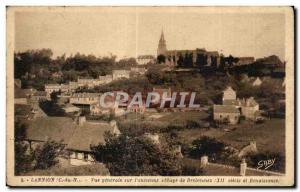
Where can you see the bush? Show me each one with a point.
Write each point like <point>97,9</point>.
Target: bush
<point>46,155</point>
<point>189,170</point>
<point>136,156</point>
<point>206,146</point>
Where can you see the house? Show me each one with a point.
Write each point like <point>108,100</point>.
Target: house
<point>138,70</point>
<point>112,107</point>
<point>50,88</point>
<point>39,96</point>
<point>120,74</point>
<point>84,98</point>
<point>249,108</point>
<point>95,109</point>
<point>105,79</point>
<point>69,108</point>
<point>229,96</point>
<point>248,150</point>
<point>21,96</point>
<point>64,88</point>
<point>256,82</point>
<point>145,59</point>
<point>86,135</point>
<point>78,135</point>
<point>73,85</point>
<point>86,82</point>
<point>226,113</point>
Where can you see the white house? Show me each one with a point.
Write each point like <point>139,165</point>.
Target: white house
<point>226,113</point>
<point>256,82</point>
<point>229,94</point>
<point>145,59</point>
<point>105,79</point>
<point>120,74</point>
<point>138,70</point>
<point>249,108</point>
<point>50,88</point>
<point>84,98</point>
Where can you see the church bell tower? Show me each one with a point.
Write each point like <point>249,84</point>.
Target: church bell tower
<point>162,47</point>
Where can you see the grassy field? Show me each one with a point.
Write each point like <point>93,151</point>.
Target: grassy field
<point>166,118</point>
<point>183,116</point>
<point>269,136</point>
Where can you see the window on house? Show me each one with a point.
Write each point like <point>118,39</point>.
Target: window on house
<point>76,155</point>
<point>85,156</point>
<point>220,116</point>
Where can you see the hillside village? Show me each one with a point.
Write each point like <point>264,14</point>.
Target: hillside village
<point>242,100</point>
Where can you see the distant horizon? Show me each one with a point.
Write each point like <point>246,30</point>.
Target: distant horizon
<point>129,32</point>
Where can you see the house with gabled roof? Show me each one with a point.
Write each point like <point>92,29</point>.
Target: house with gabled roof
<point>78,135</point>
<point>229,96</point>
<point>249,108</point>
<point>226,114</point>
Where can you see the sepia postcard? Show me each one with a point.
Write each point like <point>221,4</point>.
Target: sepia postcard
<point>150,96</point>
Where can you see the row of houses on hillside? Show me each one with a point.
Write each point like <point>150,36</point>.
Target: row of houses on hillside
<point>90,103</point>
<point>232,108</point>
<point>71,86</point>
<point>27,96</point>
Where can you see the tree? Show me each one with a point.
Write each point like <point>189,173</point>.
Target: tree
<point>20,131</point>
<point>161,59</point>
<point>137,155</point>
<point>46,155</point>
<point>206,146</point>
<point>23,158</point>
<point>154,75</point>
<point>180,61</point>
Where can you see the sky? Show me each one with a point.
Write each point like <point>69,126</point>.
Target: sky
<point>130,31</point>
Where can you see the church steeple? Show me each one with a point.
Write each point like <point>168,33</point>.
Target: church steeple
<point>162,47</point>
<point>162,37</point>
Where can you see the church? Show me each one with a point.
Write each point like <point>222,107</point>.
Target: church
<point>186,57</point>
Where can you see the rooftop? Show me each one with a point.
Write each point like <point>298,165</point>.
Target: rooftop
<point>88,134</point>
<point>229,89</point>
<point>65,130</point>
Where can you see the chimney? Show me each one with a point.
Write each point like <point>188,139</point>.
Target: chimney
<point>204,161</point>
<point>243,167</point>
